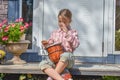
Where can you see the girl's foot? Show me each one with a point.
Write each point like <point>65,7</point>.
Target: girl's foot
<point>67,76</point>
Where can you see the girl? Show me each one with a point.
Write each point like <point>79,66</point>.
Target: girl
<point>69,41</point>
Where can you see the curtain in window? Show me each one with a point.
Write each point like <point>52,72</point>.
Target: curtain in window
<point>13,10</point>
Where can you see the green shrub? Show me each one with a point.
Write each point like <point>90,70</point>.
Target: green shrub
<point>111,78</point>
<point>117,40</point>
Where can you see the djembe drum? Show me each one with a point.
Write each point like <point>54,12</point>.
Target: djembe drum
<point>54,51</point>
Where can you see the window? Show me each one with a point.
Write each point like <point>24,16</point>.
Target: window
<point>27,14</point>
<point>117,26</point>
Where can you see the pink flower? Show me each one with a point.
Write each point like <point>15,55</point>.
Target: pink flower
<point>5,38</point>
<point>26,25</point>
<point>21,19</point>
<point>22,28</point>
<point>1,24</point>
<point>4,21</point>
<point>8,26</point>
<point>17,20</point>
<point>6,29</point>
<point>13,25</point>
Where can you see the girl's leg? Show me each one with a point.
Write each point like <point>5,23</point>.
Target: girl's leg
<point>48,67</point>
<point>61,66</point>
<point>64,62</point>
<point>52,73</point>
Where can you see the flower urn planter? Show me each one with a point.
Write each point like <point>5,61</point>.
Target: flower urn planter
<point>17,48</point>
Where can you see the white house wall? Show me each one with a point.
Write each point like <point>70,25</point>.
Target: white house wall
<point>90,18</point>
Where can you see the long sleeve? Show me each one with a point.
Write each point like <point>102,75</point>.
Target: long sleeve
<point>71,41</point>
<point>74,40</point>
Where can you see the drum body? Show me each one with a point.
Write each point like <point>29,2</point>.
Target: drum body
<point>54,52</point>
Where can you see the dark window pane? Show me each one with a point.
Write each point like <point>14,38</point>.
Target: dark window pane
<point>27,14</point>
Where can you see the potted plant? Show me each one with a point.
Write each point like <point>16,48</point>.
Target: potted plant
<point>10,36</point>
<point>12,32</point>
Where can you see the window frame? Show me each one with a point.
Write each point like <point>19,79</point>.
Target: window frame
<point>114,22</point>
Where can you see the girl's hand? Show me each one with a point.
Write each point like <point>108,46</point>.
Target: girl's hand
<point>64,27</point>
<point>44,43</point>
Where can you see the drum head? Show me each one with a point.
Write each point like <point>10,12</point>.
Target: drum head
<point>52,45</point>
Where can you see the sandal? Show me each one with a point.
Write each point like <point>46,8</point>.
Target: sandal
<point>67,76</point>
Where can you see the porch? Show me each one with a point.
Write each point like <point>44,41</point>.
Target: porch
<point>88,69</point>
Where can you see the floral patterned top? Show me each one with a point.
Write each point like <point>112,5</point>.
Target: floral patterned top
<point>68,40</point>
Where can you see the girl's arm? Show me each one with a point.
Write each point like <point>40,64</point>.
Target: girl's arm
<point>48,42</point>
<point>73,39</point>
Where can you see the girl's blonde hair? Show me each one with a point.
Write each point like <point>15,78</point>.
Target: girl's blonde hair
<point>65,13</point>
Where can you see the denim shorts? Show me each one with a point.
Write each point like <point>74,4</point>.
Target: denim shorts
<point>66,57</point>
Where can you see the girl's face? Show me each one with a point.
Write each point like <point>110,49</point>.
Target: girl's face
<point>63,22</point>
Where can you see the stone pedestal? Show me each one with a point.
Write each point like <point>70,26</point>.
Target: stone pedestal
<point>17,48</point>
